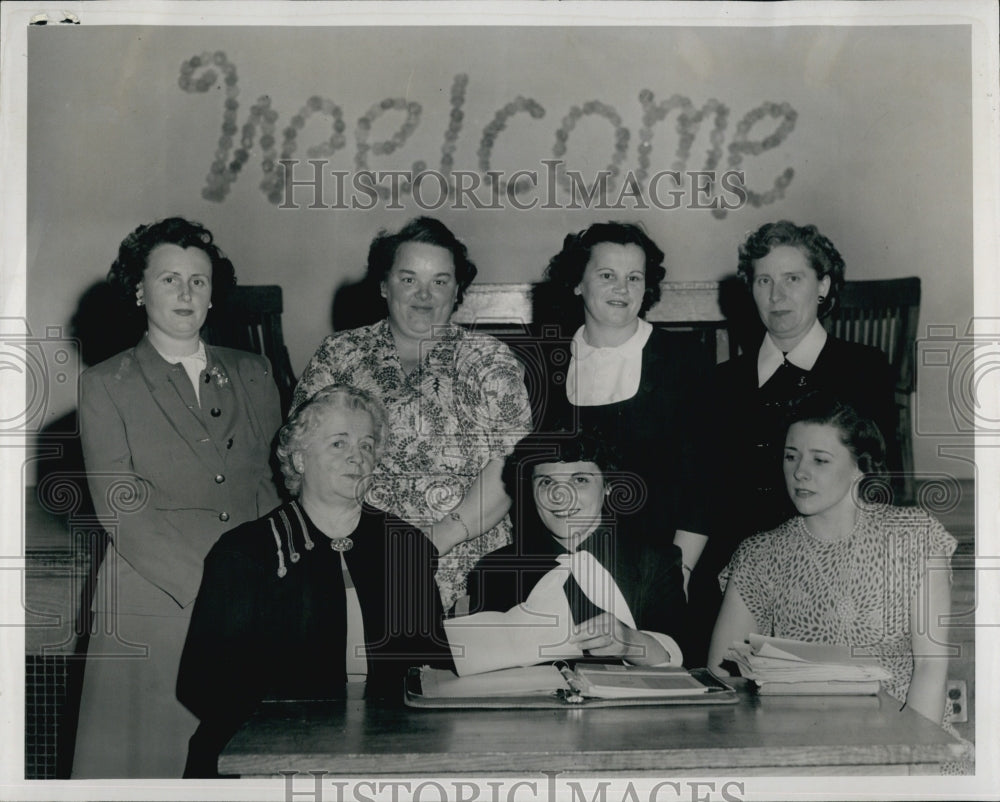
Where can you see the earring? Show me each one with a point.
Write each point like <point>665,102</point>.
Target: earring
<point>138,298</point>
<point>209,304</point>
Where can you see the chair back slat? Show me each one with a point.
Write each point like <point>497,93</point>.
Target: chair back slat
<point>882,314</point>
<point>250,320</point>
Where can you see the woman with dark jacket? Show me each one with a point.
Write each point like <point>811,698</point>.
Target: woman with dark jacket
<point>322,591</point>
<point>795,275</point>
<point>624,593</point>
<point>609,371</point>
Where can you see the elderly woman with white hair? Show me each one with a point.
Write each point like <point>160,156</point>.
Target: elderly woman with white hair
<point>322,591</point>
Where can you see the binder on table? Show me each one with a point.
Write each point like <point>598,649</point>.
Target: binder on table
<point>562,685</point>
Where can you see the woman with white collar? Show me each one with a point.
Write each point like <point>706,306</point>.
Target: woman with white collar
<point>621,595</point>
<point>795,275</point>
<point>628,381</point>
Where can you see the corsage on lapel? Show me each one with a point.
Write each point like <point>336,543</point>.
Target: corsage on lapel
<point>221,379</point>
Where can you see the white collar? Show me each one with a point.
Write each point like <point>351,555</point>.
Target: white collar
<point>198,357</point>
<point>803,355</point>
<point>581,349</point>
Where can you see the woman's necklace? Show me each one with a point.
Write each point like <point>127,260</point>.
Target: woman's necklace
<point>844,609</point>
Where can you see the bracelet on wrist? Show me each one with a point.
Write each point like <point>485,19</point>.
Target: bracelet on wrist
<point>454,516</point>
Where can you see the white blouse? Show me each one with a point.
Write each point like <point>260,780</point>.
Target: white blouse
<point>599,376</point>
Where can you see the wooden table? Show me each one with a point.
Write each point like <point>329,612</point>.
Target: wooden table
<point>778,736</point>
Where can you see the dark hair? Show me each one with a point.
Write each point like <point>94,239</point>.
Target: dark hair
<point>382,251</point>
<point>542,449</point>
<point>534,450</point>
<point>820,252</point>
<point>859,434</point>
<point>133,257</point>
<point>565,270</point>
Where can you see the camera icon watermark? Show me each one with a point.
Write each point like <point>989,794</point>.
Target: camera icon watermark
<point>44,363</point>
<point>965,369</point>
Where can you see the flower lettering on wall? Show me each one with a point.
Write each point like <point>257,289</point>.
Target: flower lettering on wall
<point>202,73</point>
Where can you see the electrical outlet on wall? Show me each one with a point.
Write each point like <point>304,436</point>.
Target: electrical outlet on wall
<point>958,700</point>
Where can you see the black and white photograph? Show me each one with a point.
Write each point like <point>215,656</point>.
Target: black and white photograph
<point>499,401</point>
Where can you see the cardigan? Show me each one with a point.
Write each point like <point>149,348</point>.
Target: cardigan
<point>272,604</point>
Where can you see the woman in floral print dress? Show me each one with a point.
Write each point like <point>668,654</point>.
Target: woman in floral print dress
<point>456,400</point>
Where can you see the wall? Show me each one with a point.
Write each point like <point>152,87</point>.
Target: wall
<point>881,150</point>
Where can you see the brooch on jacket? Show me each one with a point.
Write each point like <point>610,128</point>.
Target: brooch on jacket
<point>221,379</point>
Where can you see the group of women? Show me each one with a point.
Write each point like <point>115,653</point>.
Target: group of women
<point>419,479</point>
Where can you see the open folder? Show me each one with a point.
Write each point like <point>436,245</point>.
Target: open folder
<point>559,684</point>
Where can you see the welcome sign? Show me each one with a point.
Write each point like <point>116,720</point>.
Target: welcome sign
<point>617,186</point>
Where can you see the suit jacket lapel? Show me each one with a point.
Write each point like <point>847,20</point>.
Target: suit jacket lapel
<point>172,391</point>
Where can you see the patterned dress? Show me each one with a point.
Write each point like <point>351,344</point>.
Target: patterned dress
<point>856,591</point>
<point>465,405</point>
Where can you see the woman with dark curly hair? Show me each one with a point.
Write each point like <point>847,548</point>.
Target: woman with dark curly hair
<point>795,275</point>
<point>176,442</point>
<point>618,375</point>
<point>456,399</point>
<point>603,591</point>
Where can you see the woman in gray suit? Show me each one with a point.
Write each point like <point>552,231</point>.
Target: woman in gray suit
<point>176,440</point>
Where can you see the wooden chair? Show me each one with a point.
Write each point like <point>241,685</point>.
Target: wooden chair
<point>884,314</point>
<point>250,319</point>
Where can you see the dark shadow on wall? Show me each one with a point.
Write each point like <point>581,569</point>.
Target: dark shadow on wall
<point>102,327</point>
<point>357,304</point>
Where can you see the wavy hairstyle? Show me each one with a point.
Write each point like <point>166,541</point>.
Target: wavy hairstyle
<point>133,257</point>
<point>565,270</point>
<point>859,434</point>
<point>541,449</point>
<point>820,252</point>
<point>296,435</point>
<point>382,251</point>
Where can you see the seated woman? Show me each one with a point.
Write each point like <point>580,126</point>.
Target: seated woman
<point>870,576</point>
<point>625,594</point>
<point>273,618</point>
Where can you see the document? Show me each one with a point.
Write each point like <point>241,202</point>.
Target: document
<point>783,666</point>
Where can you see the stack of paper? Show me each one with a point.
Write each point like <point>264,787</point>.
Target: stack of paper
<point>782,666</point>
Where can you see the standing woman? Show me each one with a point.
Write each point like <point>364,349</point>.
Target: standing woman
<point>627,382</point>
<point>795,275</point>
<point>176,441</point>
<point>456,400</point>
